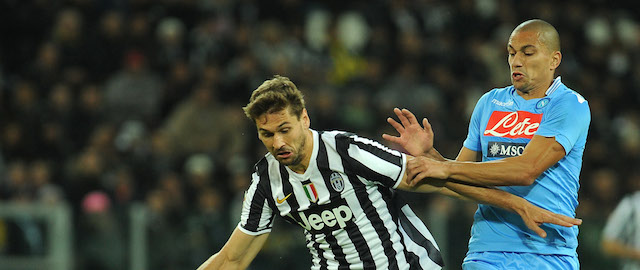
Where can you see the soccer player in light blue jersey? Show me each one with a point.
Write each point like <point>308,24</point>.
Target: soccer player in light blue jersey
<point>530,138</point>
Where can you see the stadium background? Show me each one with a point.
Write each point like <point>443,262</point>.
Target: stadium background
<point>106,106</point>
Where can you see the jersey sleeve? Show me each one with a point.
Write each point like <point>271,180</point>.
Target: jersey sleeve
<point>472,142</point>
<point>620,224</point>
<point>567,120</point>
<point>371,160</point>
<point>256,217</point>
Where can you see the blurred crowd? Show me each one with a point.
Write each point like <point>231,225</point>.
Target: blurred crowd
<point>104,103</point>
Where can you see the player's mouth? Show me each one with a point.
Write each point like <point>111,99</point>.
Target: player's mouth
<point>284,154</point>
<point>516,76</point>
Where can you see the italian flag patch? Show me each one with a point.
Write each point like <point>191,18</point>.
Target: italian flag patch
<point>311,192</point>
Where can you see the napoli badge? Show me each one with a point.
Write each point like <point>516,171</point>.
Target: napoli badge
<point>337,182</point>
<point>542,103</point>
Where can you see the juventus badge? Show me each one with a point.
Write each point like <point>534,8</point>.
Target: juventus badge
<point>336,182</point>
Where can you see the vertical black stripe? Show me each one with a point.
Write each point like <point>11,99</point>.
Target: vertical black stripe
<point>262,194</point>
<point>336,249</point>
<point>397,202</point>
<point>323,167</point>
<point>316,246</point>
<point>418,238</point>
<point>287,189</point>
<point>367,206</point>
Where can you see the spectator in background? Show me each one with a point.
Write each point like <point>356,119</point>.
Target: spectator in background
<point>189,128</point>
<point>134,93</point>
<point>621,234</point>
<point>101,242</point>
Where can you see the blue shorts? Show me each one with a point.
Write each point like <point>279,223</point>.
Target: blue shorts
<point>495,260</point>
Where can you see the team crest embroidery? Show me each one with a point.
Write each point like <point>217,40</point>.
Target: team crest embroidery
<point>337,182</point>
<point>542,103</point>
<point>310,191</point>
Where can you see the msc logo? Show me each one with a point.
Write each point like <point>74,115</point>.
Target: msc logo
<point>325,218</point>
<point>505,149</point>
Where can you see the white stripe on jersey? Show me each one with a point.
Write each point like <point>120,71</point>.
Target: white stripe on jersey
<point>413,246</point>
<point>556,82</point>
<point>372,162</point>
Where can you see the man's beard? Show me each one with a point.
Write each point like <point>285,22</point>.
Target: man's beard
<point>297,156</point>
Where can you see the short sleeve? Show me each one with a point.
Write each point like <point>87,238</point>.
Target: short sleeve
<point>371,160</point>
<point>472,142</point>
<point>567,119</point>
<point>256,217</point>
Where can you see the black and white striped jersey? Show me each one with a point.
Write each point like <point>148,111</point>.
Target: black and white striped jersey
<point>623,226</point>
<point>346,203</point>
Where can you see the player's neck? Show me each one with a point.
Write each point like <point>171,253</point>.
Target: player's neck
<point>537,92</point>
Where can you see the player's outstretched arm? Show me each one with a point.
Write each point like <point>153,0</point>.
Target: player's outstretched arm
<point>539,154</point>
<point>237,253</point>
<point>532,215</point>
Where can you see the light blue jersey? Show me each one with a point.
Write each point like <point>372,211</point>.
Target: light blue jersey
<point>501,126</point>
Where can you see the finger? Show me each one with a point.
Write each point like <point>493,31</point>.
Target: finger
<point>426,125</point>
<point>566,221</point>
<point>395,125</point>
<point>535,228</point>
<point>392,139</point>
<point>403,119</point>
<point>410,116</point>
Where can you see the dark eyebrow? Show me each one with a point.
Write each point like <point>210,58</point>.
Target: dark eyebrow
<point>523,47</point>
<point>280,126</point>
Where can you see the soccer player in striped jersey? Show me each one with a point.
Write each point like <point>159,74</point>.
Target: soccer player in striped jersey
<point>339,188</point>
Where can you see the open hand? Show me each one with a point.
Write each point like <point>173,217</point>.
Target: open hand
<point>415,139</point>
<point>534,216</point>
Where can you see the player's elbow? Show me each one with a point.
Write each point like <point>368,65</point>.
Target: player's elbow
<point>526,177</point>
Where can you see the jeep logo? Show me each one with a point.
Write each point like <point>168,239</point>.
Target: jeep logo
<point>324,219</point>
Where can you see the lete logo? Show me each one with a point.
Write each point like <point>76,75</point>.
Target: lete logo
<point>518,124</point>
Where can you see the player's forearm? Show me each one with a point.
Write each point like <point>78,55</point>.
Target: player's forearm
<point>620,251</point>
<point>220,261</point>
<point>504,172</point>
<point>486,195</point>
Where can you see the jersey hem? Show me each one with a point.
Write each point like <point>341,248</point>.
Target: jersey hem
<point>253,233</point>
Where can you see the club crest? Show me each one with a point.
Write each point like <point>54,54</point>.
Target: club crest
<point>337,183</point>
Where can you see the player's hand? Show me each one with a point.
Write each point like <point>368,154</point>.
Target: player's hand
<point>534,216</point>
<point>415,139</point>
<point>421,168</point>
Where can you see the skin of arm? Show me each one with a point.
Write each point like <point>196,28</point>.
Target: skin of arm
<point>237,253</point>
<point>540,154</point>
<point>532,216</point>
<point>620,250</point>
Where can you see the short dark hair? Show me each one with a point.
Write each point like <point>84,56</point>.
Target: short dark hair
<point>275,95</point>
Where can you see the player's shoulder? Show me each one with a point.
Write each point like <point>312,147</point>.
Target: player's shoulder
<point>569,98</point>
<point>262,166</point>
<point>501,94</point>
<point>336,135</point>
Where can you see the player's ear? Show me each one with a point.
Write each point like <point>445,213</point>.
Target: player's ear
<point>556,58</point>
<point>304,117</point>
